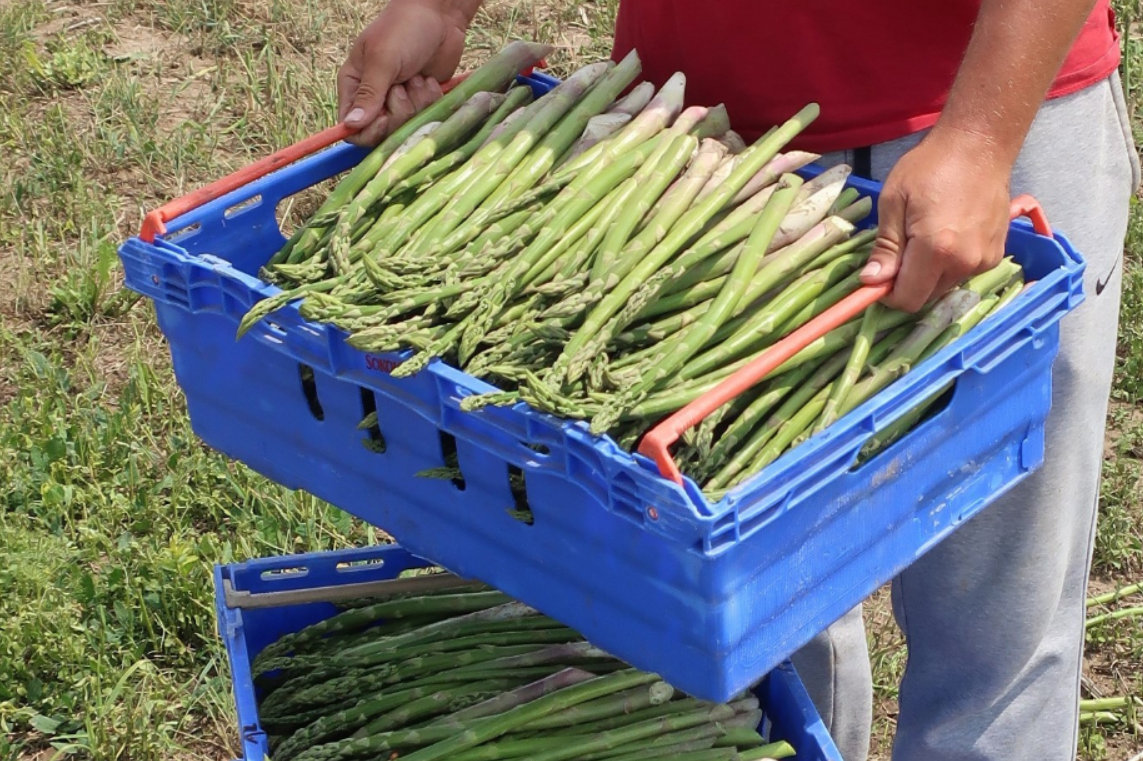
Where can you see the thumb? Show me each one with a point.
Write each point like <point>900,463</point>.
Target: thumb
<point>368,97</point>
<point>885,259</point>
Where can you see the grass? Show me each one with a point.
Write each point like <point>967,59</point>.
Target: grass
<point>1115,650</point>
<point>111,512</point>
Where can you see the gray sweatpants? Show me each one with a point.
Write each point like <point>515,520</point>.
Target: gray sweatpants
<point>993,616</point>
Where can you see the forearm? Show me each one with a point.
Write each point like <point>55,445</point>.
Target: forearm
<point>1016,51</point>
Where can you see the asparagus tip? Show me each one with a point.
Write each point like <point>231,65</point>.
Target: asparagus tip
<point>528,52</point>
<point>671,95</point>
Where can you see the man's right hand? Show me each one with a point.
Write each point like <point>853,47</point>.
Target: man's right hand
<point>396,65</point>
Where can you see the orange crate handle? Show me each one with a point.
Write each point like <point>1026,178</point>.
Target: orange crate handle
<point>1027,206</point>
<point>154,223</point>
<point>656,442</point>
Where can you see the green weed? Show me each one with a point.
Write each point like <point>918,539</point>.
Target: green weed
<point>65,64</point>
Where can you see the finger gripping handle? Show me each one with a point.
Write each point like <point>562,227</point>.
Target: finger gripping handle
<point>656,442</point>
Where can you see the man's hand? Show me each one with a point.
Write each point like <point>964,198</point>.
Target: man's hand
<point>943,217</point>
<point>396,65</point>
<point>943,212</point>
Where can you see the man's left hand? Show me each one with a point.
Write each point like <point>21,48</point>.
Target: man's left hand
<point>943,217</point>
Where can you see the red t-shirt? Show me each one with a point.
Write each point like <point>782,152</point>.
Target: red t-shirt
<point>879,70</point>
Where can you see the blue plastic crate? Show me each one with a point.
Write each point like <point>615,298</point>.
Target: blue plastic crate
<point>790,715</point>
<point>709,595</point>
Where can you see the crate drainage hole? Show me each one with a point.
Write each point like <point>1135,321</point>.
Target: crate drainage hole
<point>451,460</point>
<point>926,410</point>
<point>374,441</point>
<point>359,565</point>
<point>183,233</point>
<point>521,511</point>
<point>242,206</point>
<point>282,573</point>
<point>309,388</point>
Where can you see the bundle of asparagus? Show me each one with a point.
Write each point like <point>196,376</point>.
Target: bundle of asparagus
<point>609,258</point>
<point>471,675</point>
